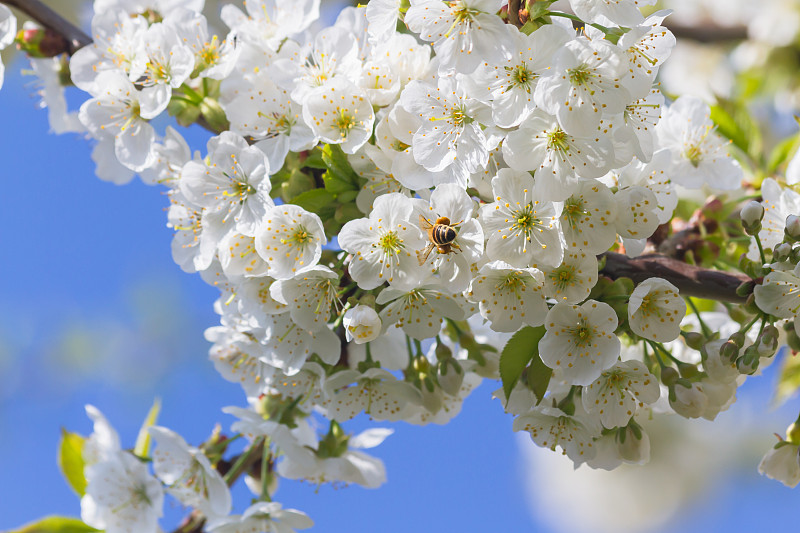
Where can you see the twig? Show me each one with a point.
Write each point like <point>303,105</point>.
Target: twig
<point>74,37</point>
<point>691,280</point>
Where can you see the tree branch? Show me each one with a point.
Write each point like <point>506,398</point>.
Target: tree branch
<point>691,280</point>
<point>74,37</point>
<point>707,33</point>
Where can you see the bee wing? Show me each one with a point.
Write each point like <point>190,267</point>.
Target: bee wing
<point>424,223</point>
<point>422,255</point>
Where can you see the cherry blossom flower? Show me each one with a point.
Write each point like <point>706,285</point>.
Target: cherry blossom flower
<point>509,297</point>
<point>463,32</point>
<point>522,230</point>
<point>655,310</point>
<point>383,245</point>
<point>580,340</point>
<point>232,182</point>
<point>188,474</point>
<point>290,240</point>
<point>619,391</point>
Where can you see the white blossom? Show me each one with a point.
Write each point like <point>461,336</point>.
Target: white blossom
<point>580,340</point>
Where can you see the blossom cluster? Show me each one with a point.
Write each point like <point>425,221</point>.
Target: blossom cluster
<point>392,199</point>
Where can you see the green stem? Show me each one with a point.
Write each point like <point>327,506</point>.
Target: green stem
<point>760,249</point>
<point>750,324</point>
<point>578,19</point>
<point>244,461</point>
<point>703,326</point>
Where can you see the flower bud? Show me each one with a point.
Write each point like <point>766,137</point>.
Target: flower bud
<point>40,42</point>
<point>669,376</point>
<point>767,343</point>
<point>782,252</point>
<point>737,338</point>
<point>752,214</point>
<point>688,371</point>
<point>361,324</point>
<point>689,402</point>
<point>694,340</point>
<point>792,230</point>
<point>729,350</point>
<point>745,288</point>
<point>748,363</point>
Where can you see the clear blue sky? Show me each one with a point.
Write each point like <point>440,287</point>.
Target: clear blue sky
<point>93,310</point>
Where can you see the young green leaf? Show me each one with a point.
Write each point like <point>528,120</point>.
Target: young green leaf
<point>55,524</point>
<point>517,353</point>
<point>317,201</point>
<point>142,448</point>
<point>338,166</point>
<point>70,460</point>
<point>789,380</point>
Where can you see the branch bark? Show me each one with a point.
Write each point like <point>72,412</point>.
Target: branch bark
<point>691,280</point>
<point>75,37</point>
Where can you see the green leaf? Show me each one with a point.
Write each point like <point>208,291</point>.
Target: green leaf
<point>789,380</point>
<point>142,448</point>
<point>55,524</point>
<point>517,353</point>
<point>734,122</point>
<point>338,166</point>
<point>314,160</point>
<point>335,184</point>
<point>70,460</point>
<point>539,376</point>
<point>782,152</point>
<point>317,201</point>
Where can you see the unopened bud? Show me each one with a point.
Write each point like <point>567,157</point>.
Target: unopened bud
<point>729,351</point>
<point>737,338</point>
<point>782,252</point>
<point>669,376</point>
<point>751,215</point>
<point>443,352</point>
<point>746,366</point>
<point>750,305</point>
<point>40,42</point>
<point>688,371</point>
<point>745,288</point>
<point>694,340</point>
<point>792,230</point>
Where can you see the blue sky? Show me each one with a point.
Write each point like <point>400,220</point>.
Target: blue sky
<point>93,310</point>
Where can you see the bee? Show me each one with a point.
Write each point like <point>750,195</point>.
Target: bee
<point>442,236</point>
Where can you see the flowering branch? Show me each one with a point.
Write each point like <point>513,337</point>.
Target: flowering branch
<point>691,280</point>
<point>74,37</point>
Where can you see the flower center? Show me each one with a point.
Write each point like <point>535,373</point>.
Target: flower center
<point>344,122</point>
<point>557,140</point>
<point>520,76</point>
<point>299,236</point>
<point>513,282</point>
<point>391,243</point>
<point>525,221</point>
<point>694,153</point>
<point>583,334</point>
<point>579,75</point>
<point>459,116</point>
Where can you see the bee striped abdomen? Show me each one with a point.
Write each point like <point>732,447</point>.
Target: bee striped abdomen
<point>442,234</point>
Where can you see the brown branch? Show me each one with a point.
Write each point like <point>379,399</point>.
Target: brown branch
<point>707,33</point>
<point>74,37</point>
<point>691,280</point>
